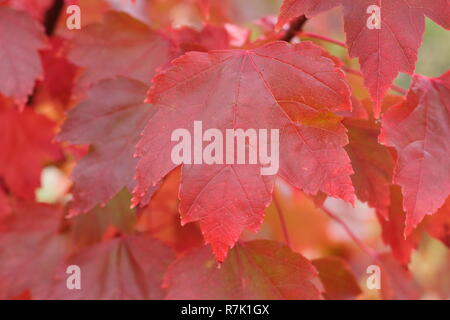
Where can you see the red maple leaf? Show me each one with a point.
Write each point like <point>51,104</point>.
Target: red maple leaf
<point>247,274</point>
<point>383,52</point>
<point>438,225</point>
<point>337,278</point>
<point>134,267</point>
<point>26,145</point>
<point>35,8</point>
<point>59,73</point>
<point>236,89</point>
<point>393,227</point>
<point>20,39</point>
<point>119,46</point>
<point>30,248</point>
<point>419,129</point>
<point>112,127</point>
<point>373,164</point>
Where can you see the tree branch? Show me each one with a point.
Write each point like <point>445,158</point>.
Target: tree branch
<point>52,16</point>
<point>294,28</point>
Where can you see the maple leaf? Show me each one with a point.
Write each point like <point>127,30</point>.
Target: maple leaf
<point>397,282</point>
<point>438,225</point>
<point>164,12</point>
<point>119,46</point>
<point>373,164</point>
<point>4,205</point>
<point>30,248</point>
<point>209,38</point>
<point>116,215</point>
<point>393,227</point>
<point>20,39</point>
<point>383,52</point>
<point>25,144</point>
<point>234,89</point>
<point>338,280</point>
<point>35,8</point>
<point>259,269</point>
<point>419,129</point>
<point>161,217</point>
<point>59,73</point>
<point>110,120</point>
<point>129,267</point>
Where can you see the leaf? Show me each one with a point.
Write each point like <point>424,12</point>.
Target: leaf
<point>4,205</point>
<point>256,270</point>
<point>419,129</point>
<point>119,46</point>
<point>30,248</point>
<point>111,120</point>
<point>59,73</point>
<point>338,280</point>
<point>397,283</point>
<point>438,225</point>
<point>126,268</point>
<point>164,12</point>
<point>295,8</point>
<point>91,227</point>
<point>384,52</point>
<point>20,39</point>
<point>209,38</point>
<point>393,227</point>
<point>35,8</point>
<point>373,164</point>
<point>161,217</point>
<point>234,89</point>
<point>26,145</point>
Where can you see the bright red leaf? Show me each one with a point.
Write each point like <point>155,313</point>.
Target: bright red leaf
<point>132,268</point>
<point>438,225</point>
<point>337,278</point>
<point>59,73</point>
<point>373,164</point>
<point>119,46</point>
<point>383,52</point>
<point>419,129</point>
<point>20,39</point>
<point>393,227</point>
<point>30,248</point>
<point>254,270</point>
<point>110,120</point>
<point>26,145</point>
<point>234,89</point>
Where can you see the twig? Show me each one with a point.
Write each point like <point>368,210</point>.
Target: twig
<point>52,16</point>
<point>369,251</point>
<point>324,38</point>
<point>294,28</point>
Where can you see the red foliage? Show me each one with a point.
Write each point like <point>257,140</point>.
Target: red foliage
<point>97,108</point>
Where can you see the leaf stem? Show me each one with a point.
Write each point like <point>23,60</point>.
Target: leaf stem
<point>324,38</point>
<point>282,220</point>
<point>368,250</point>
<point>346,69</point>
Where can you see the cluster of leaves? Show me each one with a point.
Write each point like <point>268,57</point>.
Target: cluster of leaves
<point>102,102</point>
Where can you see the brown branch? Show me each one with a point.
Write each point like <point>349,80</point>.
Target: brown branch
<point>50,21</point>
<point>294,28</point>
<point>52,15</point>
